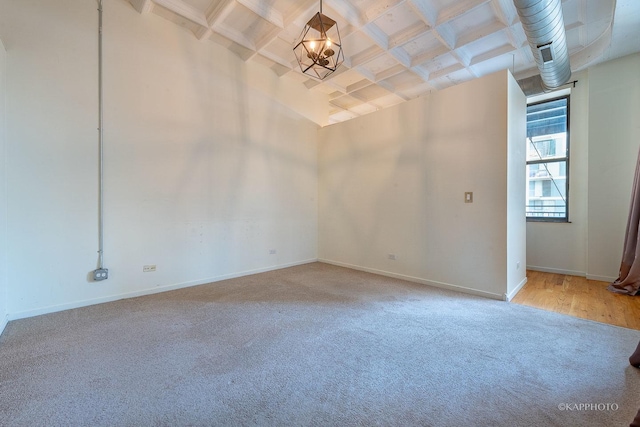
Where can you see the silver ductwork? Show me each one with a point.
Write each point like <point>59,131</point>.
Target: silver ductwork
<point>543,24</point>
<point>532,85</point>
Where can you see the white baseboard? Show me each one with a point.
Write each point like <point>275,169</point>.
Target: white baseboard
<point>433,283</point>
<point>509,296</point>
<point>556,271</point>
<point>602,278</point>
<point>150,291</point>
<point>572,273</point>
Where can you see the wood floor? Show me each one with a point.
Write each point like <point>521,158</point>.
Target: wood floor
<point>579,297</point>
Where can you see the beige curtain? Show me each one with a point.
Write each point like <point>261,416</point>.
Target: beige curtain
<point>628,282</point>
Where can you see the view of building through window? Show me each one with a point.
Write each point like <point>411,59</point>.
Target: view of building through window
<point>548,160</point>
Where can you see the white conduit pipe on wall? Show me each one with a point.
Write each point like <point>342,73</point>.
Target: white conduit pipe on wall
<point>100,273</point>
<point>543,24</point>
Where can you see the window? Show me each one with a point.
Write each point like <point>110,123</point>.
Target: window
<point>548,160</point>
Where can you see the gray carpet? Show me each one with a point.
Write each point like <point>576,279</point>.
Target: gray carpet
<point>315,345</point>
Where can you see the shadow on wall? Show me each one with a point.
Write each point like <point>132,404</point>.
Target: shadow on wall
<point>382,181</point>
<point>218,163</point>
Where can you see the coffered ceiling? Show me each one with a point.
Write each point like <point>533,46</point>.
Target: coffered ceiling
<point>395,50</point>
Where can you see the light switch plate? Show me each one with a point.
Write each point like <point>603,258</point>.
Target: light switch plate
<point>468,197</point>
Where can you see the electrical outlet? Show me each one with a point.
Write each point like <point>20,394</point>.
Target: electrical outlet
<point>272,251</point>
<point>148,268</point>
<point>392,257</point>
<point>100,274</point>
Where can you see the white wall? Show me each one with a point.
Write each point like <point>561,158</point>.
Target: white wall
<point>393,182</point>
<point>604,129</point>
<point>204,172</point>
<point>516,187</point>
<point>3,193</point>
<point>614,139</point>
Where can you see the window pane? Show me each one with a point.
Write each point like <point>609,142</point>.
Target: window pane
<point>547,195</point>
<point>547,118</point>
<point>547,147</point>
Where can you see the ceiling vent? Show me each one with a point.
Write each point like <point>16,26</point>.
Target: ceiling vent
<point>543,24</point>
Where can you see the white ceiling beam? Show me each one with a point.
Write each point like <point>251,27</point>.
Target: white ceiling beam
<point>513,39</point>
<point>429,16</point>
<point>310,83</point>
<point>350,113</point>
<point>479,33</point>
<point>358,85</point>
<point>359,97</point>
<point>401,56</point>
<point>185,10</point>
<point>338,88</point>
<point>334,95</point>
<point>351,14</point>
<point>442,33</point>
<point>528,54</point>
<point>377,35</point>
<point>380,8</point>
<point>219,11</point>
<point>445,35</point>
<point>505,11</point>
<point>388,86</point>
<point>277,59</point>
<point>409,34</point>
<point>345,89</point>
<point>421,72</point>
<point>494,53</point>
<point>474,74</point>
<point>425,13</point>
<point>234,36</point>
<point>203,33</point>
<point>357,22</point>
<point>408,85</point>
<point>366,56</point>
<point>313,82</point>
<point>281,70</point>
<point>366,73</point>
<point>458,9</point>
<point>392,89</point>
<point>462,57</point>
<point>428,56</point>
<point>263,10</point>
<point>216,12</point>
<point>267,38</point>
<point>390,72</point>
<point>447,70</point>
<point>142,6</point>
<point>215,17</point>
<point>301,11</point>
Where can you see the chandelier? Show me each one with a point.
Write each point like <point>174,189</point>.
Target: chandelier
<point>319,48</point>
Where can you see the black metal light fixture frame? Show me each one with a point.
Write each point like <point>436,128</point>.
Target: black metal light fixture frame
<point>319,48</point>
